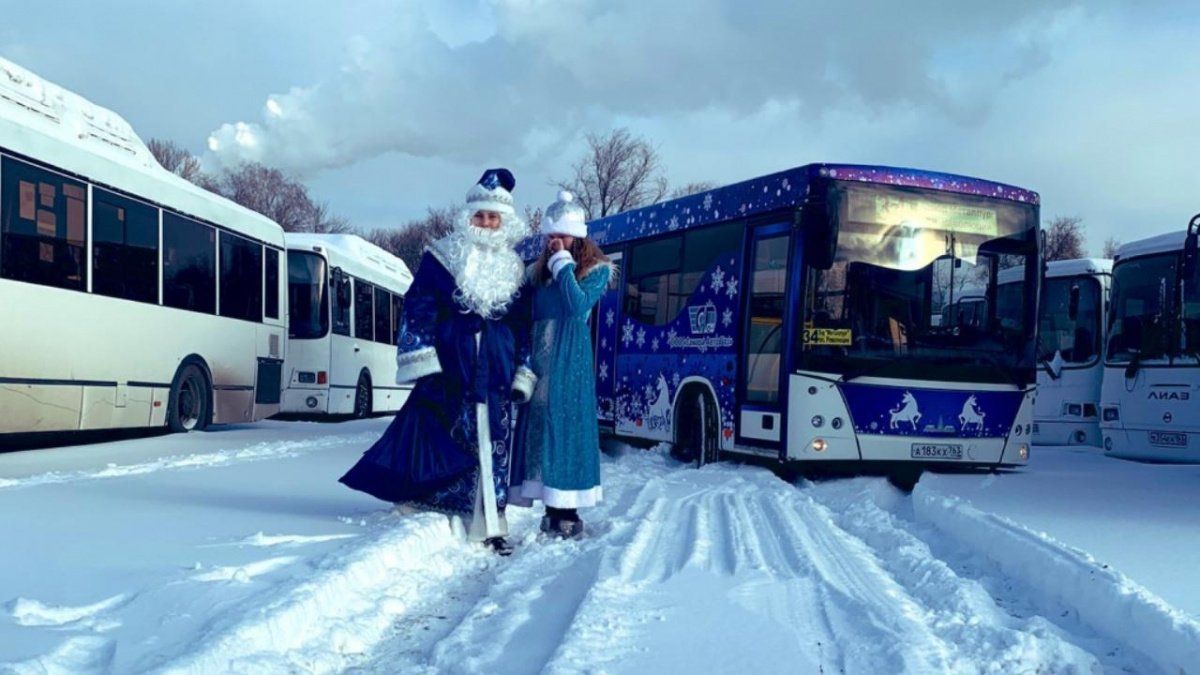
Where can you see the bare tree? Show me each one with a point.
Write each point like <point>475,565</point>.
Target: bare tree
<point>408,241</point>
<point>618,172</point>
<point>534,218</point>
<point>1110,248</point>
<point>281,198</point>
<point>1064,238</point>
<point>175,159</point>
<point>691,189</point>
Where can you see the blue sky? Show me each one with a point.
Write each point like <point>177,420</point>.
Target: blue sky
<point>385,108</point>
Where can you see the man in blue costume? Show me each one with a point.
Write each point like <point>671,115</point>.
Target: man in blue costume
<point>463,339</point>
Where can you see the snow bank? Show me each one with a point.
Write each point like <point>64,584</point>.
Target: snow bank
<point>1106,601</point>
<point>344,608</point>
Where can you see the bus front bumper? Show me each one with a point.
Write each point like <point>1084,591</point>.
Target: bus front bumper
<point>300,401</point>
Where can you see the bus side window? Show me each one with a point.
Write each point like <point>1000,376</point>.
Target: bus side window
<point>43,227</point>
<point>189,264</point>
<point>241,278</point>
<point>271,284</point>
<point>397,309</point>
<point>383,317</point>
<point>341,302</point>
<point>124,248</point>
<point>653,276</point>
<point>364,314</point>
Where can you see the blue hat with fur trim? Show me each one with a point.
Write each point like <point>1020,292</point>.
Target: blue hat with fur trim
<point>493,192</point>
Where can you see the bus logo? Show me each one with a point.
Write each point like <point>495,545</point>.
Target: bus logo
<point>1169,396</point>
<point>907,411</point>
<point>703,318</point>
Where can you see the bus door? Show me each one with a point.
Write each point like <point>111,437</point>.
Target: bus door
<point>761,399</point>
<point>605,322</point>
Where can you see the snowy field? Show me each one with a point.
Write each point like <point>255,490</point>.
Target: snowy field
<point>237,551</point>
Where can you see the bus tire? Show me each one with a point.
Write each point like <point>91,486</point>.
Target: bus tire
<point>697,439</point>
<point>189,406</point>
<point>362,396</point>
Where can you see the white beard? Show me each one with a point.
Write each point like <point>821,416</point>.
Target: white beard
<point>486,270</point>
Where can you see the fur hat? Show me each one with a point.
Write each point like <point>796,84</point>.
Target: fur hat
<point>565,216</point>
<point>493,192</point>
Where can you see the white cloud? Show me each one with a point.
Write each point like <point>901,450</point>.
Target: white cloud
<point>552,64</point>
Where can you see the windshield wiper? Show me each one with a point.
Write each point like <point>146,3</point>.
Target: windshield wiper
<point>863,372</point>
<point>1135,364</point>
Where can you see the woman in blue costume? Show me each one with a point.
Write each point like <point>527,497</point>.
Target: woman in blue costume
<point>461,340</point>
<point>558,458</point>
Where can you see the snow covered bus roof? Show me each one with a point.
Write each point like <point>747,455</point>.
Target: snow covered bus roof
<point>1078,267</point>
<point>48,124</point>
<point>1060,268</point>
<point>778,191</point>
<point>357,257</point>
<point>1163,243</point>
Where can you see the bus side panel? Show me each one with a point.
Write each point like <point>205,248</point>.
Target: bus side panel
<point>608,321</point>
<point>654,363</point>
<point>34,407</point>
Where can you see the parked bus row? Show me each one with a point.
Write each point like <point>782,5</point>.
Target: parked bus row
<point>133,298</point>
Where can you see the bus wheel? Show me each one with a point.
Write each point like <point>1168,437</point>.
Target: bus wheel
<point>190,400</point>
<point>362,397</point>
<point>697,439</point>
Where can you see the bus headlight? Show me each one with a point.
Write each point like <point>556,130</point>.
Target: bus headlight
<point>836,423</point>
<point>818,421</point>
<point>1023,452</point>
<point>1112,414</point>
<point>818,445</point>
<point>311,401</point>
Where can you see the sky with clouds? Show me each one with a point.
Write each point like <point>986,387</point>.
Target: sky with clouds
<point>385,108</point>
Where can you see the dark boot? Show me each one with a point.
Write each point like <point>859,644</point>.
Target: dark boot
<point>499,546</point>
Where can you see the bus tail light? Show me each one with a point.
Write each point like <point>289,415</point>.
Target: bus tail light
<point>322,377</point>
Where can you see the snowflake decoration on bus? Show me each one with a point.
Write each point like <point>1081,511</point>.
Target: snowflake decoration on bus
<point>718,277</point>
<point>654,344</point>
<point>727,318</point>
<point>604,371</point>
<point>731,288</point>
<point>627,332</point>
<point>641,337</point>
<point>609,317</point>
<point>708,201</point>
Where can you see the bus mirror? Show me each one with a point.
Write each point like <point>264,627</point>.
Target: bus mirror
<point>1189,247</point>
<point>1073,303</point>
<point>819,229</point>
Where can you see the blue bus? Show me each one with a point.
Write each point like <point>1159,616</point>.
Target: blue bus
<point>801,316</point>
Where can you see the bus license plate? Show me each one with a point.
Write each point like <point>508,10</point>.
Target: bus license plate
<point>1171,439</point>
<point>936,451</point>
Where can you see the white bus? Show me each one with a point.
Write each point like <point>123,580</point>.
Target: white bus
<point>1070,341</point>
<point>131,297</point>
<point>344,299</point>
<point>1150,401</point>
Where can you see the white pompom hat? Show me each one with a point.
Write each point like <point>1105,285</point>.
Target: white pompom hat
<point>565,216</point>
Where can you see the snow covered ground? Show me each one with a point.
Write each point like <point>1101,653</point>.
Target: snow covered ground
<point>237,551</point>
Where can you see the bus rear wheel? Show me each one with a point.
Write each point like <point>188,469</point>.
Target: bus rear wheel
<point>697,439</point>
<point>362,397</point>
<point>189,408</point>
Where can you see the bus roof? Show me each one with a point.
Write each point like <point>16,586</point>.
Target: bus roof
<point>357,257</point>
<point>49,124</point>
<point>785,189</point>
<point>1078,267</point>
<point>1163,243</point>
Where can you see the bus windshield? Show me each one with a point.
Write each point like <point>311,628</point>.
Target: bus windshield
<point>913,293</point>
<point>308,296</point>
<point>1076,338</point>
<point>1147,322</point>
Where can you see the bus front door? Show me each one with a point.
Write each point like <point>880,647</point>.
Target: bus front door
<point>605,321</point>
<point>760,403</point>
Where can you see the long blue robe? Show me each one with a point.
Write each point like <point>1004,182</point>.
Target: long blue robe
<point>430,454</point>
<point>557,459</point>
